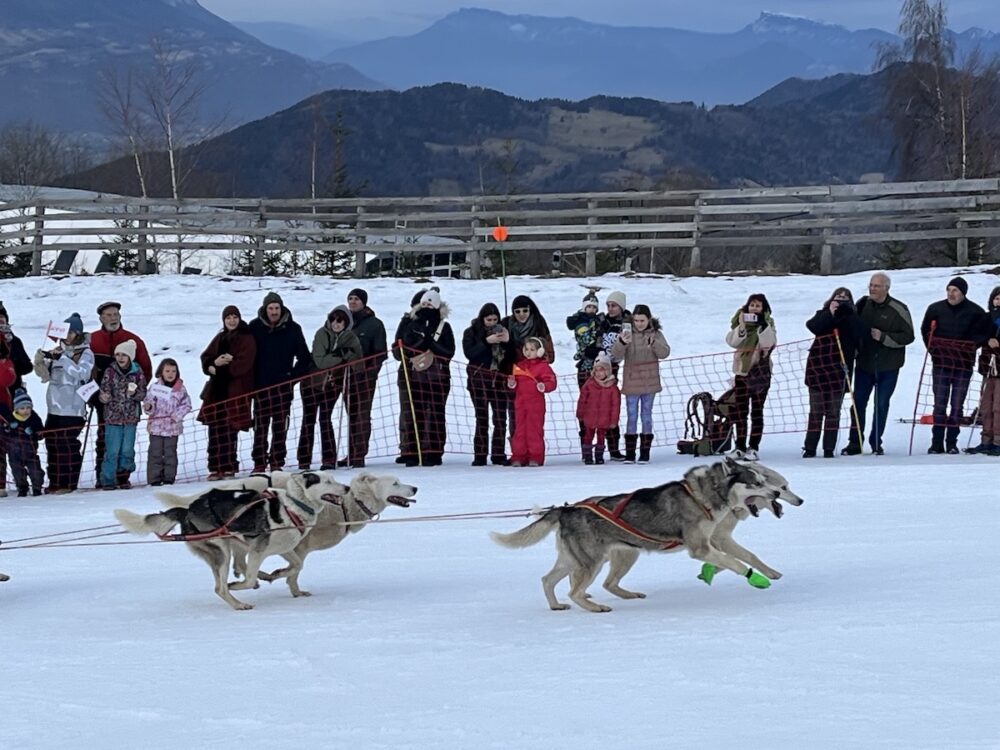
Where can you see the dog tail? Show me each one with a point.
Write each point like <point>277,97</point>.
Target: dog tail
<point>531,534</point>
<point>154,523</point>
<point>174,501</point>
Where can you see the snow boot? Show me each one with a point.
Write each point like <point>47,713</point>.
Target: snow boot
<point>630,441</point>
<point>645,443</point>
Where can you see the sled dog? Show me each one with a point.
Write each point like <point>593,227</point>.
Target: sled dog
<point>268,523</point>
<point>698,513</point>
<point>367,497</point>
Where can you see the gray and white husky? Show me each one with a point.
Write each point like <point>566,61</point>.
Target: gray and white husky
<point>267,523</point>
<point>698,514</point>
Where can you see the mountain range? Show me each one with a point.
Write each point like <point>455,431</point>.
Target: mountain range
<point>534,57</point>
<point>52,50</point>
<point>451,139</point>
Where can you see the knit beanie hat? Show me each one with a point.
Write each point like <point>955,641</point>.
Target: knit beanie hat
<point>961,284</point>
<point>361,294</point>
<point>127,348</point>
<point>230,310</point>
<point>590,299</point>
<point>272,297</point>
<point>618,298</point>
<point>21,399</point>
<point>431,297</point>
<point>75,323</point>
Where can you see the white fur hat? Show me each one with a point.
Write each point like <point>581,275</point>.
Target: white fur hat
<point>431,297</point>
<point>126,347</point>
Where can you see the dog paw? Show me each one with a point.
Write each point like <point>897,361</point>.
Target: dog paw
<point>559,607</point>
<point>600,608</point>
<point>301,593</point>
<point>240,606</point>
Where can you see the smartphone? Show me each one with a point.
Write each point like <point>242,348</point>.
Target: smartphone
<point>627,328</point>
<point>749,318</point>
<point>497,328</point>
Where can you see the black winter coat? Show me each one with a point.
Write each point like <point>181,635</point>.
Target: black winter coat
<point>958,331</point>
<point>282,351</point>
<point>371,333</point>
<point>824,369</point>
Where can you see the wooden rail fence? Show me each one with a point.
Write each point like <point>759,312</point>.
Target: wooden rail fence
<point>823,216</point>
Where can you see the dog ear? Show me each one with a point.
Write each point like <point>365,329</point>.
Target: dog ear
<point>310,478</point>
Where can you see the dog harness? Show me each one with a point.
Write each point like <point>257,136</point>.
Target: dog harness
<point>614,517</point>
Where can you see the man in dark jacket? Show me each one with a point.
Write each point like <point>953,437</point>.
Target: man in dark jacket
<point>886,331</point>
<point>361,383</point>
<point>282,355</point>
<point>19,363</point>
<point>953,329</point>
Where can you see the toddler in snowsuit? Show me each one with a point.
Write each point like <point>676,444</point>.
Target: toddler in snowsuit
<point>123,389</point>
<point>22,429</point>
<point>165,421</point>
<point>531,380</point>
<point>598,409</point>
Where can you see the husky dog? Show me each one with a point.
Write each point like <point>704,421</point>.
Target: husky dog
<point>367,497</point>
<point>258,482</point>
<point>268,523</point>
<point>698,513</point>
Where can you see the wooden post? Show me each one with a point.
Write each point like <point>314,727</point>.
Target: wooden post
<point>359,255</point>
<point>37,240</point>
<point>258,253</point>
<point>962,247</point>
<point>826,255</point>
<point>591,267</point>
<point>142,238</point>
<point>475,254</point>
<point>694,265</point>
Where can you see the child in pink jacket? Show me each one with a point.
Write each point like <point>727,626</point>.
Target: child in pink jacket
<point>531,380</point>
<point>166,414</point>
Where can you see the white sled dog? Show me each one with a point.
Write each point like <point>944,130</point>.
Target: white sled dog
<point>367,497</point>
<point>268,523</point>
<point>698,513</point>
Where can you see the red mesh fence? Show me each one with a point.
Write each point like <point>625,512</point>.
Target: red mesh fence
<point>948,395</point>
<point>443,389</point>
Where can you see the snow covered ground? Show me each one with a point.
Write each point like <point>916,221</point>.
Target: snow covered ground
<point>883,632</point>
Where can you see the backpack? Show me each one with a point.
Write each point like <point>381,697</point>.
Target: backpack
<point>708,424</point>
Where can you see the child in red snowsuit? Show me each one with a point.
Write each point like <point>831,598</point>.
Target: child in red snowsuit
<point>531,380</point>
<point>598,409</point>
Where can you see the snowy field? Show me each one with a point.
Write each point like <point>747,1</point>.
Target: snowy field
<point>882,633</point>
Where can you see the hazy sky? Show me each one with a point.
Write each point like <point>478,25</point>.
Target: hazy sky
<point>409,16</point>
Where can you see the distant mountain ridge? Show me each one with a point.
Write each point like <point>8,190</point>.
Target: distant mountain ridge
<point>451,139</point>
<point>51,52</point>
<point>535,57</point>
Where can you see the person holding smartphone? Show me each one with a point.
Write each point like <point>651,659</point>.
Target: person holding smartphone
<point>830,363</point>
<point>488,349</point>
<point>753,337</point>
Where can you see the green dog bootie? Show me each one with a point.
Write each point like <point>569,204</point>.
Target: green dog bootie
<point>757,580</point>
<point>707,573</point>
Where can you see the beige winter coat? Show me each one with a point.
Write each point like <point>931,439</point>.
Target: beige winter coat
<point>642,357</point>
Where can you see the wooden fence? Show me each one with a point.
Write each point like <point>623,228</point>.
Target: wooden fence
<point>824,216</point>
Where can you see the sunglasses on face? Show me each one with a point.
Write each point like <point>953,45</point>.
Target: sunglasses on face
<point>522,310</point>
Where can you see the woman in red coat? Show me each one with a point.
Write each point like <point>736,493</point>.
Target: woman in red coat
<point>532,379</point>
<point>225,401</point>
<point>599,408</point>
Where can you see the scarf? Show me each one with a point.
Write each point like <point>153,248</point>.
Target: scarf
<point>752,341</point>
<point>521,332</point>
